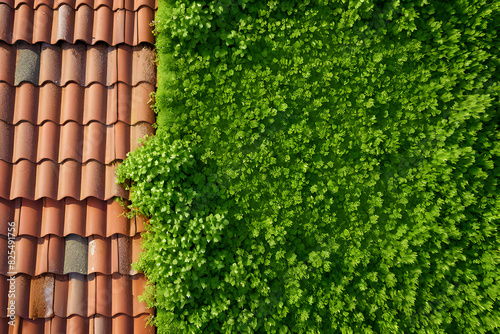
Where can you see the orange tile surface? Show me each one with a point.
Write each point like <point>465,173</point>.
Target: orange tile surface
<point>94,103</point>
<point>75,81</point>
<point>67,24</point>
<point>71,141</point>
<point>95,4</point>
<point>79,63</point>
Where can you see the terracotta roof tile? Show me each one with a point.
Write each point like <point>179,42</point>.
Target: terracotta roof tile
<point>41,297</point>
<point>75,294</point>
<point>71,141</point>
<point>113,4</point>
<point>75,81</point>
<point>67,24</point>
<point>56,181</point>
<point>49,102</point>
<point>79,63</point>
<point>72,254</point>
<point>69,216</point>
<point>75,324</point>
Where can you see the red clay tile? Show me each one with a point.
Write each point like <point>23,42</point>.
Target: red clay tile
<point>57,181</point>
<point>49,106</point>
<point>121,324</point>
<point>97,56</point>
<point>55,259</point>
<point>7,13</point>
<point>72,254</point>
<point>21,297</point>
<point>4,296</point>
<point>6,139</point>
<point>42,24</point>
<point>70,25</point>
<point>41,297</point>
<point>71,106</point>
<point>51,61</point>
<point>107,105</point>
<point>26,101</point>
<point>117,223</point>
<point>23,24</point>
<point>136,251</point>
<point>29,214</point>
<point>7,100</point>
<point>124,254</point>
<point>75,215</point>
<point>99,258</point>
<point>73,63</point>
<point>84,18</point>
<point>5,180</point>
<point>71,143</point>
<point>48,139</point>
<point>33,326</point>
<point>52,218</point>
<point>69,216</point>
<point>7,62</point>
<point>96,217</point>
<point>140,109</point>
<point>102,324</point>
<point>25,135</point>
<point>47,179</point>
<point>113,4</point>
<point>71,296</point>
<point>4,266</point>
<point>26,250</point>
<point>74,324</point>
<point>7,214</point>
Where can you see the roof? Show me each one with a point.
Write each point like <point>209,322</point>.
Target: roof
<point>75,81</point>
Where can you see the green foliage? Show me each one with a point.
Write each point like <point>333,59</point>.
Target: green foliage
<point>323,167</point>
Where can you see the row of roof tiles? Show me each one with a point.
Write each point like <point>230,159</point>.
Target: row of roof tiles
<point>79,63</point>
<point>85,24</point>
<point>49,102</point>
<point>30,180</point>
<point>91,217</point>
<point>72,141</point>
<point>113,4</point>
<point>73,294</point>
<point>71,254</point>
<point>98,324</point>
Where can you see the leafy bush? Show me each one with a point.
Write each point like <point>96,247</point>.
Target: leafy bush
<point>322,167</point>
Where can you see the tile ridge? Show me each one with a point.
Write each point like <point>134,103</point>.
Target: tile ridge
<point>76,24</point>
<point>94,4</point>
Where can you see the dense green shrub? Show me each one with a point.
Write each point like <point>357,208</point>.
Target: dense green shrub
<point>323,167</point>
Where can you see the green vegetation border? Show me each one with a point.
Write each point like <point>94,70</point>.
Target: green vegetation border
<point>323,167</point>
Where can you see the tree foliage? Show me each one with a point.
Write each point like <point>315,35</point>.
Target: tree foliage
<point>323,167</point>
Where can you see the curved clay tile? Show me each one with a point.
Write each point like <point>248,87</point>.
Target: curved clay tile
<point>70,25</point>
<point>44,63</point>
<point>113,4</point>
<point>75,104</point>
<point>56,181</point>
<point>76,324</point>
<point>97,294</point>
<point>41,297</point>
<point>21,297</point>
<point>91,217</point>
<point>8,55</point>
<point>8,215</point>
<point>78,63</point>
